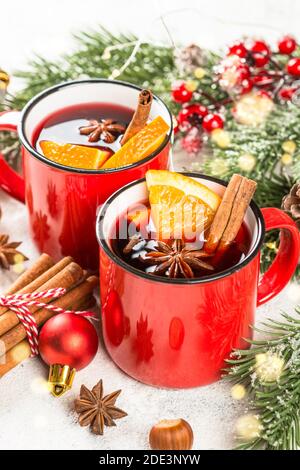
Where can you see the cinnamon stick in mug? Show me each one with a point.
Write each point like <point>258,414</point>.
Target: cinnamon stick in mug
<point>140,117</point>
<point>71,300</point>
<point>240,205</point>
<point>230,214</point>
<point>63,274</point>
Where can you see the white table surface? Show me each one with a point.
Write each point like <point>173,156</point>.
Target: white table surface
<point>29,417</point>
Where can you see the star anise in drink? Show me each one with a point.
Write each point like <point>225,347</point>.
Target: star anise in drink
<point>176,260</point>
<point>105,129</point>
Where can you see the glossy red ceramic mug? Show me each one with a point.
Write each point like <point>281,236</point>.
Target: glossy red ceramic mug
<point>178,332</point>
<point>62,201</point>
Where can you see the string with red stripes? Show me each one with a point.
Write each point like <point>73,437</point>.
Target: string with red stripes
<point>20,303</point>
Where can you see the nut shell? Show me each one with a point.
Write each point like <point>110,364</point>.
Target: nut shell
<point>171,434</point>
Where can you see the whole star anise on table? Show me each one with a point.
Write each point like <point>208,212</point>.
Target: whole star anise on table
<point>105,129</point>
<point>9,254</point>
<point>96,410</point>
<point>176,259</point>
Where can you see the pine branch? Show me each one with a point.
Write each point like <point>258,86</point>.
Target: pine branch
<point>276,402</point>
<point>152,65</point>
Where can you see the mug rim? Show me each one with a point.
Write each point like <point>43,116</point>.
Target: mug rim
<point>209,278</point>
<point>27,108</point>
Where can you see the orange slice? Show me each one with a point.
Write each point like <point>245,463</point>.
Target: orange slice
<point>180,206</point>
<point>140,145</point>
<point>76,156</point>
<point>139,216</point>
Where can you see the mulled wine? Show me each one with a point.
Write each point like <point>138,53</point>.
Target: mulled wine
<point>104,136</point>
<point>135,241</point>
<point>66,126</point>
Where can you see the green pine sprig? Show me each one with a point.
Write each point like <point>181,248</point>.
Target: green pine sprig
<point>276,403</point>
<point>95,56</point>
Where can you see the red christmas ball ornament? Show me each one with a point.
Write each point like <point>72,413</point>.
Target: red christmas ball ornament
<point>238,49</point>
<point>287,45</point>
<point>180,93</point>
<point>260,53</point>
<point>212,122</point>
<point>192,114</point>
<point>67,342</point>
<point>293,66</point>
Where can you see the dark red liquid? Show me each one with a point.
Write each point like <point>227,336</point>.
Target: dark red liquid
<point>62,126</point>
<point>125,229</point>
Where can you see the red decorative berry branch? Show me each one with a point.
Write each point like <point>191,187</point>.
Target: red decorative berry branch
<point>249,66</point>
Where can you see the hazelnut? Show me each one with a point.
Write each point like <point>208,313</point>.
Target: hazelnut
<point>171,434</point>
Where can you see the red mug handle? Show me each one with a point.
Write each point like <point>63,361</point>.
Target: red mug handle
<point>287,258</point>
<point>10,180</point>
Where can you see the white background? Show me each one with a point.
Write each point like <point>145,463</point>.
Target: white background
<point>29,417</point>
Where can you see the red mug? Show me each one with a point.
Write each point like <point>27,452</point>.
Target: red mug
<point>178,332</point>
<point>62,201</point>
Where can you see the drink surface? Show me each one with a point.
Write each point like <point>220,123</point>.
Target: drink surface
<point>126,229</point>
<point>63,125</point>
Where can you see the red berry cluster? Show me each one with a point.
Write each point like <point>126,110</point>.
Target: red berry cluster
<point>248,65</point>
<point>196,114</point>
<point>259,67</point>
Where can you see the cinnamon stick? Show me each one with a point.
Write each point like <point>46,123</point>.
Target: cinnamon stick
<point>240,205</point>
<point>21,351</point>
<point>230,213</point>
<point>15,356</point>
<point>71,300</point>
<point>43,263</point>
<point>64,274</point>
<point>140,117</point>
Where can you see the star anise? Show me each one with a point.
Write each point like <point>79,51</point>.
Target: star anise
<point>9,254</point>
<point>95,410</point>
<point>176,259</point>
<point>105,129</point>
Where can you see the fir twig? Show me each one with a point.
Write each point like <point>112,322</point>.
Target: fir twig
<point>277,402</point>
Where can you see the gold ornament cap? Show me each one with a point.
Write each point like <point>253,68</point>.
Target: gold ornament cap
<point>60,379</point>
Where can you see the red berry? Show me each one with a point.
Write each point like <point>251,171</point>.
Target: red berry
<point>187,114</point>
<point>293,66</point>
<point>287,45</point>
<point>180,94</point>
<point>243,71</point>
<point>265,94</point>
<point>262,80</point>
<point>246,86</point>
<point>192,141</point>
<point>238,49</point>
<point>260,53</point>
<point>212,122</point>
<point>287,93</point>
<point>176,129</point>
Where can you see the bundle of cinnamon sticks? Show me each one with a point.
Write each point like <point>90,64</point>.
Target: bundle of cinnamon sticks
<point>43,275</point>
